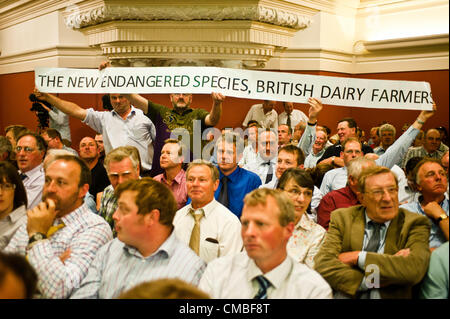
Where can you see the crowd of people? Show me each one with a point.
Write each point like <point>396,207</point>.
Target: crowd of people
<point>283,210</point>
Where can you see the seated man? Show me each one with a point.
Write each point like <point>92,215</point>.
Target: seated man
<point>284,135</point>
<point>54,141</point>
<point>375,250</point>
<point>174,176</point>
<point>208,227</point>
<point>235,182</point>
<point>30,152</point>
<point>430,147</point>
<point>343,197</point>
<point>264,270</point>
<point>431,182</point>
<point>146,247</point>
<point>61,235</point>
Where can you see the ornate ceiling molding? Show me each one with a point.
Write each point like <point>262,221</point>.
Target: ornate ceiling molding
<point>78,17</point>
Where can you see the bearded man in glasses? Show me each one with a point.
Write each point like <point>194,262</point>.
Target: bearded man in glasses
<point>375,250</point>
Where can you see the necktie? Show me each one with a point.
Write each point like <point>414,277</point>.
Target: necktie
<point>54,229</point>
<point>269,173</point>
<point>374,241</point>
<point>223,195</point>
<point>288,121</point>
<point>23,176</point>
<point>263,285</point>
<point>194,242</point>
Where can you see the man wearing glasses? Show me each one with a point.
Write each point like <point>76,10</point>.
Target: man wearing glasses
<point>375,250</point>
<point>30,153</point>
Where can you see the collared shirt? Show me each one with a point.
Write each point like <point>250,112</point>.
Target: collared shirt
<point>311,159</point>
<point>108,205</point>
<point>338,179</point>
<point>435,284</point>
<point>34,184</point>
<point>420,151</point>
<point>84,233</point>
<point>305,241</point>
<point>69,149</point>
<point>368,233</point>
<point>240,183</point>
<point>10,224</point>
<point>233,277</point>
<point>340,198</point>
<point>178,186</point>
<point>379,150</point>
<point>260,168</point>
<point>296,117</point>
<point>136,130</point>
<point>248,155</point>
<point>220,230</point>
<point>60,122</point>
<point>315,200</point>
<point>437,237</point>
<point>119,267</point>
<point>266,120</point>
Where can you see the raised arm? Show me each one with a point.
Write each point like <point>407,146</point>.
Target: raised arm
<point>309,136</point>
<point>67,107</point>
<point>216,111</point>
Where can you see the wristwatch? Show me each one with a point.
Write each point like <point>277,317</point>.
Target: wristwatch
<point>441,217</point>
<point>36,237</point>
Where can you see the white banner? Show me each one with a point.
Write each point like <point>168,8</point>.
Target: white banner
<point>263,85</point>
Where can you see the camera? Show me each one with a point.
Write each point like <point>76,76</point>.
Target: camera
<point>42,113</point>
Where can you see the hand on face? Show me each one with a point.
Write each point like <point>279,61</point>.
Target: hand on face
<point>41,217</point>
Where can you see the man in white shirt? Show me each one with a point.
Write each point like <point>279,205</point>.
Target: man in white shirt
<point>208,227</point>
<point>264,270</point>
<point>30,152</point>
<point>290,116</point>
<point>124,125</point>
<point>264,114</point>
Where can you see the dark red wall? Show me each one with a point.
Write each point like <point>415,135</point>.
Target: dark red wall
<point>15,88</point>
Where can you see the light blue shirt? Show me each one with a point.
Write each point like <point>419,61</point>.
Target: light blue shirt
<point>374,293</point>
<point>437,237</point>
<point>119,267</point>
<point>136,130</point>
<point>337,178</point>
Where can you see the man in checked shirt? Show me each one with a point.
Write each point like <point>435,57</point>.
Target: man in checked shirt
<point>61,235</point>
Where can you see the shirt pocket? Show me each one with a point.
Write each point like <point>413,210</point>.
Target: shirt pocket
<point>210,250</point>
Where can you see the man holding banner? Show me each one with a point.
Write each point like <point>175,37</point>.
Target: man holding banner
<point>124,125</point>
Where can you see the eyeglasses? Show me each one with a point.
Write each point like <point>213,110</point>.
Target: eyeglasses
<point>7,187</point>
<point>27,149</point>
<point>297,193</point>
<point>378,193</point>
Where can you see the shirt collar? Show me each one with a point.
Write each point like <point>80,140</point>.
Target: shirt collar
<point>305,223</point>
<point>369,220</point>
<point>166,249</point>
<point>74,217</point>
<point>208,208</point>
<point>276,276</point>
<point>184,112</point>
<point>16,214</point>
<point>34,170</point>
<point>232,176</point>
<point>178,178</point>
<point>261,161</point>
<point>132,112</point>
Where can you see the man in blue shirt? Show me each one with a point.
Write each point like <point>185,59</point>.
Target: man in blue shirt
<point>431,181</point>
<point>235,182</point>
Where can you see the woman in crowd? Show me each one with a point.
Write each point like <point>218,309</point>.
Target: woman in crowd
<point>307,236</point>
<point>13,203</point>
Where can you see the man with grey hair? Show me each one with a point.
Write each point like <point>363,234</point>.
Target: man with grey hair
<point>208,227</point>
<point>375,250</point>
<point>264,270</point>
<point>121,164</point>
<point>235,182</point>
<point>5,150</point>
<point>387,138</point>
<point>346,196</point>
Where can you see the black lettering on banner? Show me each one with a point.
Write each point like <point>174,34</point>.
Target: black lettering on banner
<point>260,87</point>
<point>244,84</point>
<point>327,89</point>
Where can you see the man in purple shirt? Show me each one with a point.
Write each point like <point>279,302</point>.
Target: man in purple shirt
<point>174,177</point>
<point>343,197</point>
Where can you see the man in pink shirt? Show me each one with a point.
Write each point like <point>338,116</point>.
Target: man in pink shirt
<point>171,160</point>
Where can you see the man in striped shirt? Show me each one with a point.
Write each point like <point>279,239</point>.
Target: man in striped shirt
<point>145,248</point>
<point>61,235</point>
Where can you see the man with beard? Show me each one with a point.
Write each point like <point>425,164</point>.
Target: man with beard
<point>61,235</point>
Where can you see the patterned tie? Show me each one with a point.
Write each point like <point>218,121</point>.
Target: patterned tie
<point>374,241</point>
<point>223,195</point>
<point>288,121</point>
<point>54,229</point>
<point>263,285</point>
<point>194,242</point>
<point>269,172</point>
